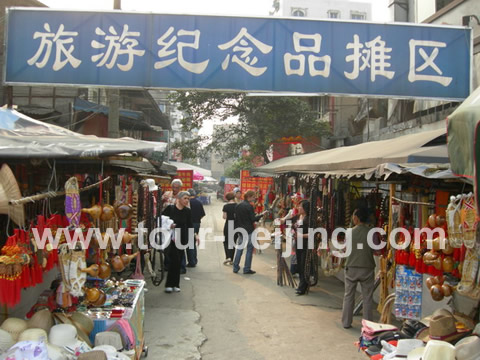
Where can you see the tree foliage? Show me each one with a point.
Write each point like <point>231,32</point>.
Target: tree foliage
<point>261,120</point>
<point>238,165</point>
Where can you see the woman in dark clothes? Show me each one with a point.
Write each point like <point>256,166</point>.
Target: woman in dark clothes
<point>182,219</point>
<point>228,215</point>
<point>301,220</point>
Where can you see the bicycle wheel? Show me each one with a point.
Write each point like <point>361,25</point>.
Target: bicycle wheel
<point>158,269</point>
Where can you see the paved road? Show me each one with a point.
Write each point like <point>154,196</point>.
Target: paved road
<point>222,315</point>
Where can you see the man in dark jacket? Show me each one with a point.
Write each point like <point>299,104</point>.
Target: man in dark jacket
<point>197,214</point>
<point>245,219</point>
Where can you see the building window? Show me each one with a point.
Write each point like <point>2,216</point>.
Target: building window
<point>299,12</point>
<point>354,15</point>
<point>441,4</point>
<point>333,14</point>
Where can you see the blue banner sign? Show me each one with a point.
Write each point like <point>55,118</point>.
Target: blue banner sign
<point>232,53</point>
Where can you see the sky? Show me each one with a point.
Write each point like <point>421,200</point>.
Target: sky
<point>380,12</point>
<point>199,7</point>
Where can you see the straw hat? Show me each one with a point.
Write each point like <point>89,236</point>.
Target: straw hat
<point>54,352</point>
<point>435,350</point>
<point>442,327</point>
<point>405,346</point>
<point>65,335</point>
<point>111,353</point>
<point>6,340</point>
<point>83,327</point>
<point>462,321</point>
<point>109,338</point>
<point>93,355</point>
<point>9,190</point>
<point>41,320</point>
<point>82,322</point>
<point>468,348</point>
<point>33,335</point>
<point>14,326</point>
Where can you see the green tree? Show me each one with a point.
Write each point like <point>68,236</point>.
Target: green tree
<point>238,165</point>
<point>261,120</point>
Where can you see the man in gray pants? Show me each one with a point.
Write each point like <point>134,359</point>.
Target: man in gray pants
<point>359,268</point>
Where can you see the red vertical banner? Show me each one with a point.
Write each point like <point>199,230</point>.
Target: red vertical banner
<point>257,184</point>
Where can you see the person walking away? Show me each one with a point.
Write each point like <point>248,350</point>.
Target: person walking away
<point>245,218</point>
<point>359,268</point>
<point>182,221</point>
<point>229,215</point>
<point>198,212</point>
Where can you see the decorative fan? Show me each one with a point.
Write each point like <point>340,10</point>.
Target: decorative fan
<point>9,190</point>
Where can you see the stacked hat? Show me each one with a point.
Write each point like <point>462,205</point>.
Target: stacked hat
<point>112,338</point>
<point>42,319</point>
<point>54,352</point>
<point>6,340</point>
<point>82,323</point>
<point>441,327</point>
<point>435,350</point>
<point>468,348</point>
<point>404,347</point>
<point>111,352</point>
<point>65,336</point>
<point>14,326</point>
<point>93,355</point>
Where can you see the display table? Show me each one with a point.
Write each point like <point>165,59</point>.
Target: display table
<point>134,315</point>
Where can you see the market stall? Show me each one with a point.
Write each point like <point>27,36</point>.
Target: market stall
<point>406,184</point>
<point>70,212</point>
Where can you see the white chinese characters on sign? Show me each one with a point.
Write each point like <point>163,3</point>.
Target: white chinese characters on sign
<point>413,74</point>
<point>245,50</point>
<point>312,59</point>
<point>61,38</point>
<point>118,45</point>
<point>373,55</point>
<point>166,50</point>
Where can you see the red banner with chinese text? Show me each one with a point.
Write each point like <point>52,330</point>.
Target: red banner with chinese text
<point>257,184</point>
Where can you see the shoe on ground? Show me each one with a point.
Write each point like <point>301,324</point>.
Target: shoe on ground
<point>250,272</point>
<point>191,265</point>
<point>168,290</point>
<point>176,289</point>
<point>347,327</point>
<point>183,271</point>
<point>235,272</point>
<point>227,262</point>
<point>145,289</point>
